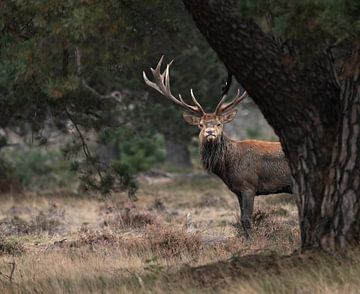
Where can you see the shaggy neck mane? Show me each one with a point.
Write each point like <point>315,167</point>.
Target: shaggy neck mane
<point>213,155</point>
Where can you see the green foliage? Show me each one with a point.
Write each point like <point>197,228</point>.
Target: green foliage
<point>39,169</point>
<point>125,174</point>
<point>308,23</point>
<point>8,180</point>
<point>141,153</point>
<point>99,176</point>
<point>153,268</point>
<point>254,132</point>
<point>41,78</point>
<point>137,152</point>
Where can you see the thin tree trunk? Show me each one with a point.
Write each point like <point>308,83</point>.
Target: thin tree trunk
<point>177,154</point>
<point>316,116</point>
<point>8,183</point>
<point>108,152</point>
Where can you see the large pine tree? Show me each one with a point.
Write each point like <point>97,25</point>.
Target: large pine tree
<point>300,62</point>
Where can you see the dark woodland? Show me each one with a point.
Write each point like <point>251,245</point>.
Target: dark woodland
<point>243,176</point>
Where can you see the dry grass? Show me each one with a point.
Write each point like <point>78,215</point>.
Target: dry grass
<point>129,218</point>
<point>10,246</point>
<point>179,237</point>
<point>173,243</point>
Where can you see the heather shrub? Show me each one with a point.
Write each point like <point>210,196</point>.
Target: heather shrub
<point>92,238</point>
<point>129,218</point>
<point>49,220</point>
<point>170,242</point>
<point>14,226</point>
<point>10,246</point>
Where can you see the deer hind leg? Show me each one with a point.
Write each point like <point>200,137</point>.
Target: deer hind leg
<point>246,201</point>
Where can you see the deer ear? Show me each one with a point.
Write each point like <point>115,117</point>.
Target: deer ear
<point>191,119</point>
<point>228,117</point>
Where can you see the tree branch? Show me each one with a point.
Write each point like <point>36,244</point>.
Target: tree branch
<point>83,142</point>
<point>116,95</point>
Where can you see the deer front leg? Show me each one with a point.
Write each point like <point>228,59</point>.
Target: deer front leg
<point>246,201</point>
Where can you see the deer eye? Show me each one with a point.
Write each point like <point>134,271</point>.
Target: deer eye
<point>201,126</point>
<point>218,125</point>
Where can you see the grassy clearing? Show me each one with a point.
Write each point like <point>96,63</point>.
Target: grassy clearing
<point>181,236</point>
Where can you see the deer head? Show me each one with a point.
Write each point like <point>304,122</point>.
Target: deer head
<point>210,124</point>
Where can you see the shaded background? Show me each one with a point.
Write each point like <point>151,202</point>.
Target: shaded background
<point>73,104</point>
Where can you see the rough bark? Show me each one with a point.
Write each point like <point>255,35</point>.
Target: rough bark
<point>315,115</point>
<point>340,206</point>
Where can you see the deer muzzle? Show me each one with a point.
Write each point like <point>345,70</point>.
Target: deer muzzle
<point>210,135</point>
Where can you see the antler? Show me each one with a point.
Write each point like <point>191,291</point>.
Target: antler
<point>222,108</point>
<point>162,85</point>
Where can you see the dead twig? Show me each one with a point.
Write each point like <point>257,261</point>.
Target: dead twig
<point>12,270</point>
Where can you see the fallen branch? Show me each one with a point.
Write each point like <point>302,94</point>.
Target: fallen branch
<point>11,275</point>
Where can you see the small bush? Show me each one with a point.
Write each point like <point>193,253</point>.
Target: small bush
<point>10,246</point>
<point>92,238</point>
<point>50,220</point>
<point>37,168</point>
<point>158,205</point>
<point>271,230</point>
<point>260,217</point>
<point>129,218</point>
<point>279,211</point>
<point>171,242</point>
<point>14,226</point>
<point>138,152</point>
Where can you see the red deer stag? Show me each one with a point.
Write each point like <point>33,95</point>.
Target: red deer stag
<point>248,167</point>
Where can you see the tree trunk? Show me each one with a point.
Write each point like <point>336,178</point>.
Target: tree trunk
<point>8,182</point>
<point>177,154</point>
<point>340,208</point>
<point>315,113</point>
<point>108,152</point>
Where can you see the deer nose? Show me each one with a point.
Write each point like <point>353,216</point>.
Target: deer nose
<point>210,132</point>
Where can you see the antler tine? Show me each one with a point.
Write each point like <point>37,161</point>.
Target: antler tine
<point>195,101</point>
<point>220,103</point>
<point>222,108</point>
<point>162,85</point>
